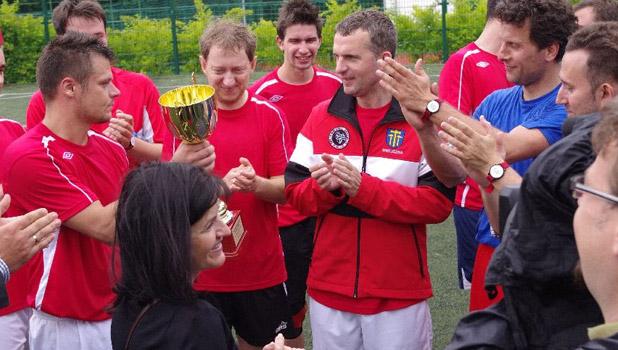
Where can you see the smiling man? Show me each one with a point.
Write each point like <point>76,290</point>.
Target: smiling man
<point>296,87</point>
<point>252,145</point>
<point>358,166</point>
<point>534,35</point>
<point>536,259</point>
<point>63,166</point>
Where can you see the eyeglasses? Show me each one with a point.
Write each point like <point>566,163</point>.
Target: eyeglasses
<point>578,187</point>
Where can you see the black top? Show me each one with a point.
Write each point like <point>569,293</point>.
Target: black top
<point>4,297</point>
<point>534,263</point>
<point>540,247</point>
<point>172,326</point>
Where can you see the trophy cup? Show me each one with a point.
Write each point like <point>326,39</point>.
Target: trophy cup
<point>191,115</point>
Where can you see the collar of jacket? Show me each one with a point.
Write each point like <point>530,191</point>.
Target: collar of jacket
<point>344,106</point>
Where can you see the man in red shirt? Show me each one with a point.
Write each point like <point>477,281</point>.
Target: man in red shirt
<point>468,76</point>
<point>252,145</point>
<point>296,87</point>
<point>359,167</point>
<point>20,239</point>
<point>62,165</point>
<point>138,124</point>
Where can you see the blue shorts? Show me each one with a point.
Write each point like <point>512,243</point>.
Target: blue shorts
<point>466,221</point>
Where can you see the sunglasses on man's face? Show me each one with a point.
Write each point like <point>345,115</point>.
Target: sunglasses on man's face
<point>578,188</point>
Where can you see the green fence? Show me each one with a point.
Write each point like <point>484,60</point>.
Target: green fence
<point>161,36</point>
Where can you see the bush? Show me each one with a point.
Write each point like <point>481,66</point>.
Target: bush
<point>333,14</point>
<point>145,44</point>
<point>268,53</point>
<point>24,38</point>
<point>189,35</point>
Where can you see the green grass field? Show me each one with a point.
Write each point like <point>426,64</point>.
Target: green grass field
<point>448,304</point>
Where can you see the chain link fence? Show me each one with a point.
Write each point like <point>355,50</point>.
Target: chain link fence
<point>161,36</point>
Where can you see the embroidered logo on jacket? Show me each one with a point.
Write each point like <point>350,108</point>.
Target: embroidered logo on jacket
<point>67,155</point>
<point>394,137</point>
<point>339,137</point>
<point>482,64</point>
<point>275,98</point>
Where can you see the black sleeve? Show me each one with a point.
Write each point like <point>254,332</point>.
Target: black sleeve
<point>4,297</point>
<point>431,180</point>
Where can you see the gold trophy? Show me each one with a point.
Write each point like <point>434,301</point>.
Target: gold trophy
<point>191,115</point>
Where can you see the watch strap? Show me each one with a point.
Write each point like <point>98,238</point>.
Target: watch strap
<point>427,114</point>
<point>490,188</point>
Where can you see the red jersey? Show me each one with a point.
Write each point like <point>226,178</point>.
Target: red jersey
<point>139,97</point>
<point>10,130</point>
<point>468,76</point>
<point>71,278</point>
<point>296,101</point>
<point>259,132</point>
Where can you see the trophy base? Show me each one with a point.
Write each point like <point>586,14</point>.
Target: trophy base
<point>231,244</point>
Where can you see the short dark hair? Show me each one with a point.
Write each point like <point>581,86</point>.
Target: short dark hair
<point>600,41</point>
<point>382,33</point>
<point>604,135</point>
<point>298,12</point>
<point>68,55</point>
<point>551,21</point>
<point>229,36</point>
<point>604,10</point>
<point>90,9</point>
<point>491,9</point>
<point>157,206</point>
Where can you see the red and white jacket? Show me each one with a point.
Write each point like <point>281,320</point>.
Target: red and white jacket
<point>372,245</point>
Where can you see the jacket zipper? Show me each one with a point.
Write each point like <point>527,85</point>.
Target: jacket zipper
<point>359,220</point>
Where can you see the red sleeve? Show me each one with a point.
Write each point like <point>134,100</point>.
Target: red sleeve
<point>36,110</point>
<point>309,199</point>
<point>36,182</point>
<point>453,87</point>
<point>394,202</point>
<point>279,141</point>
<point>153,109</point>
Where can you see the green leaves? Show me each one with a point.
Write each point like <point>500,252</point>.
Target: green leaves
<point>145,44</point>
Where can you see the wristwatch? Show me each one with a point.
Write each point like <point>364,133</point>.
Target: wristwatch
<point>433,107</point>
<point>131,144</point>
<point>496,172</point>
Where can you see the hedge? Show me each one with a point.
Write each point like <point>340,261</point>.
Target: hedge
<point>145,44</point>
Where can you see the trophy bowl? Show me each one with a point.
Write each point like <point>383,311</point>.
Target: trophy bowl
<point>190,112</point>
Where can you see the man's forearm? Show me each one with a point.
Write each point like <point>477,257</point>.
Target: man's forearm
<point>445,167</point>
<point>271,190</point>
<point>144,151</point>
<point>491,200</point>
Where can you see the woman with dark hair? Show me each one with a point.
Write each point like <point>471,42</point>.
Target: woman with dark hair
<point>167,231</point>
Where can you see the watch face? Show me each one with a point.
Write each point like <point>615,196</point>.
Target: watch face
<point>433,106</point>
<point>496,171</point>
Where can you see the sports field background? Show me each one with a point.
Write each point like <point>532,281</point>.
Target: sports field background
<point>448,304</point>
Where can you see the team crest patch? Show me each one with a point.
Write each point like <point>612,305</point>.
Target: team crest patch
<point>339,137</point>
<point>395,137</point>
<point>275,98</point>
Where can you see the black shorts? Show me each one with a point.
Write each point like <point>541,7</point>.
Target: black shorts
<point>257,316</point>
<point>297,241</point>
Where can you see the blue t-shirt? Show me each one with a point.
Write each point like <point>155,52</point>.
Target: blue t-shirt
<point>505,110</point>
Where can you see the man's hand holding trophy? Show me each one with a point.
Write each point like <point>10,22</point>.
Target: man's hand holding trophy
<point>191,115</point>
